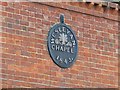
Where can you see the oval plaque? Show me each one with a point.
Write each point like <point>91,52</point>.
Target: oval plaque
<point>62,44</point>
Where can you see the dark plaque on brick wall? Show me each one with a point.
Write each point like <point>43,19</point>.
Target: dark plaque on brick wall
<point>62,44</point>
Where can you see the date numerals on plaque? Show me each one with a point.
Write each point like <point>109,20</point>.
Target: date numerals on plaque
<point>66,61</point>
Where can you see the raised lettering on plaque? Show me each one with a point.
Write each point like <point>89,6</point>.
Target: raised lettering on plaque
<point>62,44</point>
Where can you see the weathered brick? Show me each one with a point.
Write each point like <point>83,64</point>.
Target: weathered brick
<point>9,25</point>
<point>24,28</point>
<point>8,9</point>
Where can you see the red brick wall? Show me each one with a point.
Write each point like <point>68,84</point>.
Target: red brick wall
<point>25,58</point>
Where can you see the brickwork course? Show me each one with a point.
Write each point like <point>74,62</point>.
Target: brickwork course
<point>25,59</point>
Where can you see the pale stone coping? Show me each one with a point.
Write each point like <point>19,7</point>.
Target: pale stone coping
<point>82,10</point>
<point>99,2</point>
<point>108,4</point>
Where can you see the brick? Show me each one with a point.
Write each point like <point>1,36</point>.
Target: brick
<point>8,9</point>
<point>15,26</point>
<point>17,16</point>
<point>24,23</point>
<point>31,19</point>
<point>10,15</point>
<point>17,5</point>
<point>24,13</point>
<point>39,16</point>
<point>9,25</point>
<point>9,20</point>
<point>17,21</point>
<point>24,28</point>
<point>4,13</point>
<point>32,30</point>
<point>4,3</point>
<point>25,3</point>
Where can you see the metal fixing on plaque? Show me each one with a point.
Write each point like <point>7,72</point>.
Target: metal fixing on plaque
<point>62,44</point>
